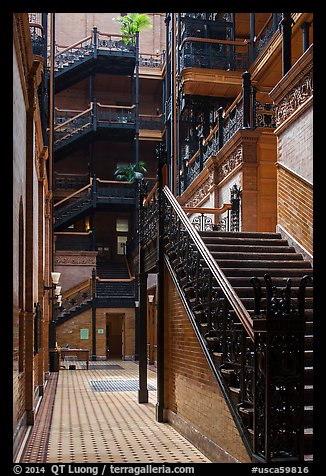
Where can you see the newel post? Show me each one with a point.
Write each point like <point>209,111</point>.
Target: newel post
<point>278,373</point>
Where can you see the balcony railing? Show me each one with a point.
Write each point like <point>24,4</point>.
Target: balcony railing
<point>93,44</point>
<point>72,122</point>
<point>214,54</point>
<point>252,115</point>
<point>150,60</point>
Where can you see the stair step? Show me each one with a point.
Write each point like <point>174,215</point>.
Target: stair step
<point>285,257</point>
<point>260,272</point>
<point>253,264</point>
<point>243,248</point>
<point>240,234</point>
<point>279,281</point>
<point>260,242</point>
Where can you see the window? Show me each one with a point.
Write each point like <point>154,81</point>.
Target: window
<point>121,245</point>
<point>122,225</point>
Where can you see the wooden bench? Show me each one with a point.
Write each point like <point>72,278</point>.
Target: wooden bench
<point>79,354</point>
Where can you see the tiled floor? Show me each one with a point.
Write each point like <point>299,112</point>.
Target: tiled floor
<point>97,419</point>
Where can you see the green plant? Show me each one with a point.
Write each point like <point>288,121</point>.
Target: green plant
<point>129,173</point>
<point>132,23</point>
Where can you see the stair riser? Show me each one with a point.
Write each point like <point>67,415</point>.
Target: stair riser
<point>260,272</point>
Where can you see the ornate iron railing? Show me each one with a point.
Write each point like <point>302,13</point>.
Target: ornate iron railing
<point>73,300</point>
<point>254,114</point>
<point>91,45</point>
<point>71,123</point>
<point>256,357</point>
<point>265,34</point>
<point>214,54</point>
<point>74,125</point>
<point>74,241</point>
<point>150,60</point>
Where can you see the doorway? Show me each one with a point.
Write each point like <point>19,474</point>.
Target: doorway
<point>114,335</point>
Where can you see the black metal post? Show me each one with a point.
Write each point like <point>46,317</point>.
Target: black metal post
<point>137,101</point>
<point>93,314</point>
<point>305,36</point>
<point>142,391</point>
<point>286,28</point>
<point>95,41</point>
<point>252,37</point>
<point>220,127</point>
<point>161,155</point>
<point>246,93</point>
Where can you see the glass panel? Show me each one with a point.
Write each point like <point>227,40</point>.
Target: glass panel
<point>122,225</point>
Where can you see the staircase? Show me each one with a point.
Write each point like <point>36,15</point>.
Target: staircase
<point>75,208</point>
<point>107,270</point>
<point>243,255</point>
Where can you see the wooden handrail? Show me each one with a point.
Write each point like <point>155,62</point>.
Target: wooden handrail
<point>211,211</point>
<point>73,45</point>
<point>68,110</point>
<point>115,280</point>
<point>151,193</point>
<point>116,34</point>
<point>75,193</point>
<point>263,28</point>
<point>112,106</point>
<point>192,159</point>
<point>211,40</point>
<point>74,117</point>
<point>112,181</point>
<point>73,232</point>
<point>77,288</point>
<point>216,271</point>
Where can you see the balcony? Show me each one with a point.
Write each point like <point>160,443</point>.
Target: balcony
<point>75,127</point>
<point>97,53</point>
<point>97,194</point>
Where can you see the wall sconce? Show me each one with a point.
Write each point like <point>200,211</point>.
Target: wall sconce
<point>56,290</point>
<point>150,297</point>
<point>55,280</point>
<point>136,303</point>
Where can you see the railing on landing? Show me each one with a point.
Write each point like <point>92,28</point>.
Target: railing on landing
<point>91,44</point>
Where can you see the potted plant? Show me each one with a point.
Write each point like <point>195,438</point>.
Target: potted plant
<point>132,23</point>
<point>129,173</point>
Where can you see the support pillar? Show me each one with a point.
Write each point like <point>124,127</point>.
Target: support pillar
<point>142,391</point>
<point>161,155</point>
<point>93,314</point>
<point>286,28</point>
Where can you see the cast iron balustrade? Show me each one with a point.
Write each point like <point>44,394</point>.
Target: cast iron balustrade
<point>150,60</point>
<point>73,124</point>
<point>96,192</point>
<point>70,181</point>
<point>151,122</point>
<point>92,45</point>
<point>214,54</point>
<point>256,114</point>
<point>37,33</point>
<point>257,359</point>
<point>74,241</point>
<point>75,301</point>
<point>264,36</point>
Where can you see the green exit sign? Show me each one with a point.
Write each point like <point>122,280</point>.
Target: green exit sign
<point>100,331</point>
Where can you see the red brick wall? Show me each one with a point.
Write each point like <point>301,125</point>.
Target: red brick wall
<point>190,388</point>
<point>295,208</point>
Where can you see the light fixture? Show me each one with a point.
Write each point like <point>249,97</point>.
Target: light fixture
<point>59,298</point>
<point>150,297</point>
<point>55,280</point>
<point>57,291</point>
<point>55,277</point>
<point>136,303</point>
